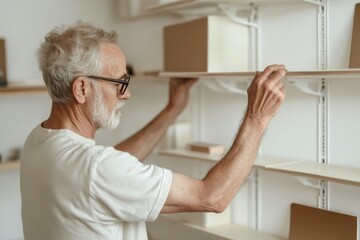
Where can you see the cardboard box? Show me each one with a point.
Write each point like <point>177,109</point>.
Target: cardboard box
<point>355,42</point>
<point>317,224</point>
<point>2,61</point>
<point>208,44</point>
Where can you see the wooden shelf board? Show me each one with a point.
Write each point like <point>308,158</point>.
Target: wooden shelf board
<point>149,77</point>
<point>227,231</point>
<point>269,162</point>
<point>336,73</point>
<point>9,165</point>
<point>22,89</point>
<point>339,73</point>
<point>333,173</point>
<point>191,154</point>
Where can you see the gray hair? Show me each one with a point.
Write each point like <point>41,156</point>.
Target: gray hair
<point>69,52</point>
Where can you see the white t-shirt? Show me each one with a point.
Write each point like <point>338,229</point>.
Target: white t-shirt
<point>73,189</point>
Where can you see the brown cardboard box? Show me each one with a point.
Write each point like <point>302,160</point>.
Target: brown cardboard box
<point>355,42</point>
<point>2,61</point>
<point>208,44</point>
<point>308,223</point>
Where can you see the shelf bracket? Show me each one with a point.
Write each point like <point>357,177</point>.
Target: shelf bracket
<point>321,186</point>
<point>306,182</point>
<point>315,2</point>
<point>232,12</point>
<point>307,86</point>
<point>238,86</point>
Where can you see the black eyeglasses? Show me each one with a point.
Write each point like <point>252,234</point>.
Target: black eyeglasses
<point>123,81</point>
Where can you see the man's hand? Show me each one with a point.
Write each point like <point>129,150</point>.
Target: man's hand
<point>266,93</point>
<point>179,89</point>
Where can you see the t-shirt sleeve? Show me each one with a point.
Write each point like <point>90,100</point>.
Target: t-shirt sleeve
<point>124,189</point>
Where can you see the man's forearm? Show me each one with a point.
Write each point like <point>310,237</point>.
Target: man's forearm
<point>224,180</point>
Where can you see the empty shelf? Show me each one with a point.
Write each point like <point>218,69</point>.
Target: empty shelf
<point>226,231</point>
<point>329,172</point>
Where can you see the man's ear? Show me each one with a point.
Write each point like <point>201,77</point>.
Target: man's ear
<point>80,89</point>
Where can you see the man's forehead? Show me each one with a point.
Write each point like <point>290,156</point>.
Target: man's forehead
<point>112,51</point>
<point>113,58</point>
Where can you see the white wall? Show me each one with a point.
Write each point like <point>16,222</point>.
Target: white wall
<point>288,35</point>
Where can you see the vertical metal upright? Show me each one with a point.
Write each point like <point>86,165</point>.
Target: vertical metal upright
<point>323,102</point>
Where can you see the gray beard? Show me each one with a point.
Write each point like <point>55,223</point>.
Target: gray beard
<point>100,115</point>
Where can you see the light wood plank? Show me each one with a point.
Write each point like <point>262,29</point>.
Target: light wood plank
<point>333,173</point>
<point>227,231</point>
<point>268,162</point>
<point>191,154</point>
<point>337,73</point>
<point>9,165</point>
<point>16,89</point>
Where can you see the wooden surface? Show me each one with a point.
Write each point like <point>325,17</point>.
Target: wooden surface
<point>226,231</point>
<point>330,172</point>
<point>334,173</point>
<point>317,224</point>
<point>2,60</point>
<point>336,73</point>
<point>9,165</point>
<point>355,46</point>
<point>8,90</point>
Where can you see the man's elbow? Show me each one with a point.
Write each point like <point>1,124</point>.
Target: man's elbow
<point>220,207</point>
<point>217,204</point>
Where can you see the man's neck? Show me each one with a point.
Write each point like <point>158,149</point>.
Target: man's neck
<point>72,117</point>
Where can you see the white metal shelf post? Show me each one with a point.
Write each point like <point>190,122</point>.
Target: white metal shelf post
<point>322,92</point>
<point>323,108</point>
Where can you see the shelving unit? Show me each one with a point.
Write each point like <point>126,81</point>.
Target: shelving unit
<point>321,169</point>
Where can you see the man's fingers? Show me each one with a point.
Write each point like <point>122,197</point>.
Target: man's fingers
<point>275,71</point>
